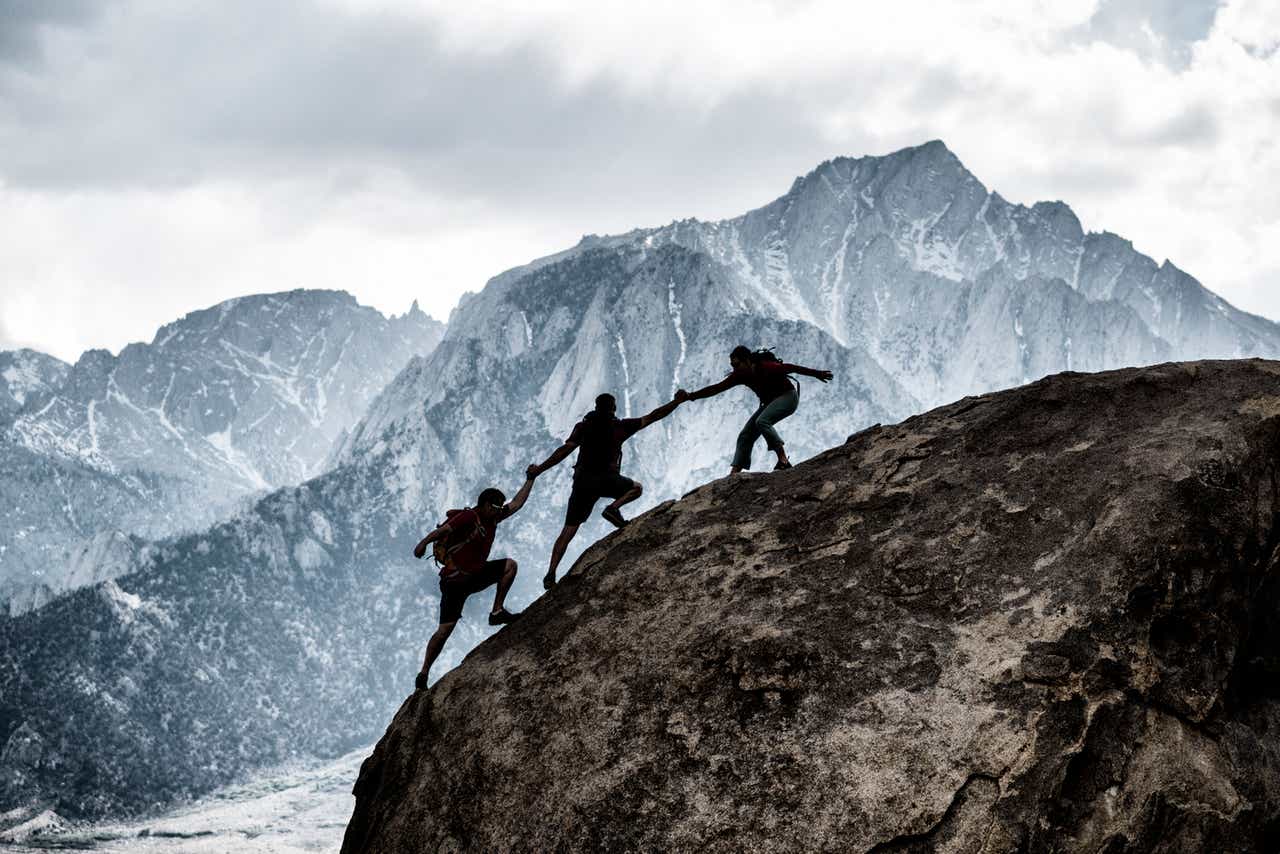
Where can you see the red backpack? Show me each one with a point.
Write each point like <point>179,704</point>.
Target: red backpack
<point>443,549</point>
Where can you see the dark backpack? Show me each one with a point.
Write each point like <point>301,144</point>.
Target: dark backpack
<point>442,550</point>
<point>764,354</point>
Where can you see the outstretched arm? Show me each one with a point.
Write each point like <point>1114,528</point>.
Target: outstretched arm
<point>817,374</point>
<point>715,388</point>
<point>517,501</point>
<point>421,548</point>
<point>662,411</point>
<point>555,459</point>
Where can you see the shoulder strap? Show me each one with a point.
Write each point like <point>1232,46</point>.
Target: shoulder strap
<point>477,530</point>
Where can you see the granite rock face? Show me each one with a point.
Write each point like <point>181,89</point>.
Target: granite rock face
<point>1036,620</point>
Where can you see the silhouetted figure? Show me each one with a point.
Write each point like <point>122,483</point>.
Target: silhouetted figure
<point>598,438</point>
<point>768,377</point>
<point>467,537</point>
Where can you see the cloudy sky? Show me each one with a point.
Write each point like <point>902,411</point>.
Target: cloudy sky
<point>156,159</point>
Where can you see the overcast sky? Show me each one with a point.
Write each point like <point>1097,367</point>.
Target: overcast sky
<point>155,160</point>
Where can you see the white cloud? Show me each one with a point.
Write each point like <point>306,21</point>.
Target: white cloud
<point>406,149</point>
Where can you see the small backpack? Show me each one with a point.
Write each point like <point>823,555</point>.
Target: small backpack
<point>442,550</point>
<point>764,354</point>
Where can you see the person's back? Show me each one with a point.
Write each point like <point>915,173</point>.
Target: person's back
<point>597,474</point>
<point>599,437</point>
<point>769,379</point>
<point>469,545</point>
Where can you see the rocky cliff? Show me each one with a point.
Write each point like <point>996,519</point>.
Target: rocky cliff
<point>1036,620</point>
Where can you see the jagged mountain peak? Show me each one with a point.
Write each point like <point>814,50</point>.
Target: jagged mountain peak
<point>227,401</point>
<point>26,376</point>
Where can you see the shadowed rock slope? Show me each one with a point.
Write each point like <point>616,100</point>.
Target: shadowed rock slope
<point>1037,620</point>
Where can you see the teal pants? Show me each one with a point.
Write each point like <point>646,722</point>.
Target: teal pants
<point>761,424</point>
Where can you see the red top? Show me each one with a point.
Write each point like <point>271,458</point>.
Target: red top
<point>469,557</point>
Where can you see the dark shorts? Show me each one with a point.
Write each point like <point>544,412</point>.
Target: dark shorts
<point>454,592</point>
<point>588,489</point>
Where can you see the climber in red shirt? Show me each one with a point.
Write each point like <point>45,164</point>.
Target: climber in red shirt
<point>769,378</point>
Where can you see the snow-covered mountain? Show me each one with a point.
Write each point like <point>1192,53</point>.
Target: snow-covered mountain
<point>247,395</point>
<point>953,289</point>
<point>296,626</point>
<point>227,402</point>
<point>27,375</point>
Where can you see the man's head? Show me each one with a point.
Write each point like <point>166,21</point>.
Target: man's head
<point>740,358</point>
<point>489,504</point>
<point>607,404</point>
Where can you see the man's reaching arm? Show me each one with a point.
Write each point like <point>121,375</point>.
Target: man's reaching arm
<point>421,548</point>
<point>817,374</point>
<point>557,456</point>
<point>517,501</point>
<point>715,388</point>
<point>663,411</point>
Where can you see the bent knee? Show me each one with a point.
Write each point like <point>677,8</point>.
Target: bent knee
<point>637,487</point>
<point>511,566</point>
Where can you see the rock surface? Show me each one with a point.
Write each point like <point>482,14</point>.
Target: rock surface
<point>1037,620</point>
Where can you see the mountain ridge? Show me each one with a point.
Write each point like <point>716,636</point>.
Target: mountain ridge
<point>225,402</point>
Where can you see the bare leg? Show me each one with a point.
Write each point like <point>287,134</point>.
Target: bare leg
<point>436,644</point>
<point>557,553</point>
<point>504,584</point>
<point>626,498</point>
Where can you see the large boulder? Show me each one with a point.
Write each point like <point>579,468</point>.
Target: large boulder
<point>1043,619</point>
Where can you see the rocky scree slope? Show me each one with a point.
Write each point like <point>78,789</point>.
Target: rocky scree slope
<point>1037,620</point>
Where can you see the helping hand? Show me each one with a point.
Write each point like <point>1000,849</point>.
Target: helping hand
<point>681,395</point>
<point>825,376</point>
<point>420,549</point>
<point>532,471</point>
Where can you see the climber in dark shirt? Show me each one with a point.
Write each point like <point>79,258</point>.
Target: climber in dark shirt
<point>468,537</point>
<point>779,397</point>
<point>598,439</point>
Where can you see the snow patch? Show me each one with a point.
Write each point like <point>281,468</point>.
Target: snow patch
<point>674,308</point>
<point>626,375</point>
<point>221,443</point>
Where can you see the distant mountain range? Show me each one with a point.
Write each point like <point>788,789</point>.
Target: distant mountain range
<point>246,643</point>
<point>227,402</point>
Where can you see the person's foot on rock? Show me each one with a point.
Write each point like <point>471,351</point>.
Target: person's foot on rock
<point>420,682</point>
<point>613,516</point>
<point>501,617</point>
<point>548,581</point>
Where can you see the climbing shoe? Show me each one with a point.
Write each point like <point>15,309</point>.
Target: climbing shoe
<point>501,617</point>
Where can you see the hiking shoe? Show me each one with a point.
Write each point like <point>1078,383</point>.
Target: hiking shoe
<point>613,516</point>
<point>501,617</point>
<point>548,581</point>
<point>782,464</point>
<point>420,682</point>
